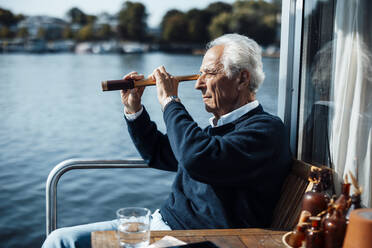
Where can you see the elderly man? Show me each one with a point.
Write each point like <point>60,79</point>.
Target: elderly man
<point>229,174</point>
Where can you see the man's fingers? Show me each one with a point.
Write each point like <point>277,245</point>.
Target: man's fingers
<point>133,75</point>
<point>137,77</point>
<point>162,69</point>
<point>130,74</point>
<point>151,76</point>
<point>164,72</point>
<point>157,74</point>
<point>160,74</point>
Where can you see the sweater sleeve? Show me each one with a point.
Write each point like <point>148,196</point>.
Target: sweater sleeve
<point>153,146</point>
<point>245,153</point>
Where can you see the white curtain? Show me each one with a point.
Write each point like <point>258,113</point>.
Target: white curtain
<point>351,120</point>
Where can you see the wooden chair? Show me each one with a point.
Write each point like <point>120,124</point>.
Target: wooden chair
<point>288,209</point>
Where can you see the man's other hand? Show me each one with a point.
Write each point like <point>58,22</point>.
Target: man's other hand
<point>166,84</point>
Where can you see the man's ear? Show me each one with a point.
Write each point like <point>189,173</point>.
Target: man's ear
<point>244,79</point>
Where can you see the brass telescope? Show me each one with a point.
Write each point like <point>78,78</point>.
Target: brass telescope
<point>125,84</point>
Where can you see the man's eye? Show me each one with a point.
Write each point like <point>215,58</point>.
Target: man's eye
<point>211,74</point>
<point>208,74</point>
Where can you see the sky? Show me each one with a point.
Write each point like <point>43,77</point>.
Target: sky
<point>58,8</point>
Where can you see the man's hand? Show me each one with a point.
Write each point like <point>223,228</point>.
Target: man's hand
<point>166,84</point>
<point>132,98</point>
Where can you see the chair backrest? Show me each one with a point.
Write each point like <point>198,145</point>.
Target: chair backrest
<point>287,211</point>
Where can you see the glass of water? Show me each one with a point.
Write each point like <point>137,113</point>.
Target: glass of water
<point>133,227</point>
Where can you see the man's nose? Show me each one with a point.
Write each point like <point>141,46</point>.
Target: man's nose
<point>200,83</point>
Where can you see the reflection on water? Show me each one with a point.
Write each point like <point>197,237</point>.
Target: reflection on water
<point>52,108</point>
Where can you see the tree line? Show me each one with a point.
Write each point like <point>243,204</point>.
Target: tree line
<point>257,19</point>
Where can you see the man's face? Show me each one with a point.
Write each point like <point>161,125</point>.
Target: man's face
<point>220,94</point>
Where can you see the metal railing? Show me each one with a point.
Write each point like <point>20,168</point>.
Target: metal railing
<point>74,164</point>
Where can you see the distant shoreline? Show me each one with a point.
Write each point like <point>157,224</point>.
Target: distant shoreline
<point>37,46</point>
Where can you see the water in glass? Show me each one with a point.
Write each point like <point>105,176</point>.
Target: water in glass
<point>133,235</point>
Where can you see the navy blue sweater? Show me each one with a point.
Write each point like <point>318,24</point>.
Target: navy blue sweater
<point>227,177</point>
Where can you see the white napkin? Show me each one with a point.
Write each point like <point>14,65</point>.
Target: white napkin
<point>165,242</point>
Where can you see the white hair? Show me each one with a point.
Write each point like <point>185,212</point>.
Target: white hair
<point>239,53</point>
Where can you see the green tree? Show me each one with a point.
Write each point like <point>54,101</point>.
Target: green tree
<point>217,26</point>
<point>7,18</point>
<point>214,9</point>
<point>67,33</point>
<point>132,21</point>
<point>278,5</point>
<point>91,19</point>
<point>86,33</point>
<point>77,16</point>
<point>5,32</point>
<point>198,25</point>
<point>169,14</point>
<point>22,33</point>
<point>41,33</point>
<point>194,25</point>
<point>175,28</point>
<point>220,25</point>
<point>256,19</point>
<point>19,17</point>
<point>105,32</point>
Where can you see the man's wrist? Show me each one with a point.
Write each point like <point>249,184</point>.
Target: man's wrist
<point>168,100</point>
<point>133,116</point>
<point>131,110</point>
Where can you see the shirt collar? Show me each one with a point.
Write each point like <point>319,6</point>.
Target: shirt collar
<point>235,114</point>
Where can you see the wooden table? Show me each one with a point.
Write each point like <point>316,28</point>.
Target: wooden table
<point>235,238</point>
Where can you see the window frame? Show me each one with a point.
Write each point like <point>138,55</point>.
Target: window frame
<point>289,67</point>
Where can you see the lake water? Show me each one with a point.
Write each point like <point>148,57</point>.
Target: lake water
<point>52,108</point>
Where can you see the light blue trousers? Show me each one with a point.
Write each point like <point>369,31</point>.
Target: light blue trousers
<point>80,236</point>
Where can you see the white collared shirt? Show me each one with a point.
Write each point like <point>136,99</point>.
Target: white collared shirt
<point>234,115</point>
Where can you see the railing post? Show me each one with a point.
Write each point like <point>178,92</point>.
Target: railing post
<point>73,164</point>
